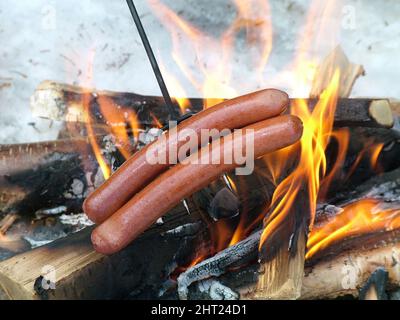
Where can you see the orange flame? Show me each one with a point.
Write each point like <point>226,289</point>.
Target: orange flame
<point>211,74</point>
<point>342,138</point>
<point>364,216</point>
<point>156,122</point>
<point>370,151</point>
<point>86,99</point>
<point>215,56</point>
<point>312,164</point>
<point>117,119</point>
<point>117,123</point>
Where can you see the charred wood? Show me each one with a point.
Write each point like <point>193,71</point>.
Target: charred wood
<point>46,174</point>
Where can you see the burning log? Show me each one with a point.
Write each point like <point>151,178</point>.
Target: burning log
<point>331,276</point>
<point>81,272</point>
<point>345,273</point>
<point>282,254</point>
<point>64,102</point>
<point>324,275</point>
<point>217,265</point>
<point>349,271</point>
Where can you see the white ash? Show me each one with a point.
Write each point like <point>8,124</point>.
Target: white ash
<point>80,220</point>
<point>149,136</point>
<point>76,190</point>
<point>50,211</point>
<point>187,229</point>
<point>77,187</point>
<point>166,286</point>
<point>37,243</point>
<point>389,190</point>
<point>93,181</point>
<point>109,145</point>
<point>43,236</point>
<point>216,290</point>
<point>329,209</point>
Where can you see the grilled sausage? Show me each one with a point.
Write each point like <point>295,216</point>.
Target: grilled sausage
<point>183,180</point>
<point>136,172</point>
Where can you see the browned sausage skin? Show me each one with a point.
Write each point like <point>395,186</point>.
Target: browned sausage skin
<point>136,172</point>
<point>183,180</point>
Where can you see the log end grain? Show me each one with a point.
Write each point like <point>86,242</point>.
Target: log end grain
<point>381,112</point>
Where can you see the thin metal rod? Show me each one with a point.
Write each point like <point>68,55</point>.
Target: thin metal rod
<point>153,61</point>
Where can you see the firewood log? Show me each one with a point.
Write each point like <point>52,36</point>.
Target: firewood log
<point>373,249</point>
<point>82,273</point>
<point>69,268</point>
<point>64,102</point>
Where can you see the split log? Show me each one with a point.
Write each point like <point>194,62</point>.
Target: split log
<point>69,268</point>
<point>282,253</point>
<point>64,102</point>
<point>349,73</point>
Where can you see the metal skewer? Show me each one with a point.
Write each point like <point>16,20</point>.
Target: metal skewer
<point>157,72</point>
<point>153,61</point>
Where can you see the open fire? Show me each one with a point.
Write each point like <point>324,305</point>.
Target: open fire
<point>310,174</point>
<point>282,210</point>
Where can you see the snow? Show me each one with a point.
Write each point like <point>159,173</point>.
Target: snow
<point>48,39</point>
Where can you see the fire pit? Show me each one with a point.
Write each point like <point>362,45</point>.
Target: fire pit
<point>317,219</point>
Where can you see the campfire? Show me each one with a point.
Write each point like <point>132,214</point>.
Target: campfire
<point>318,217</point>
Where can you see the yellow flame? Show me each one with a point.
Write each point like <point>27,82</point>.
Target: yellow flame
<point>318,125</point>
<point>364,216</point>
<point>86,98</point>
<point>135,124</point>
<point>210,74</point>
<point>117,123</point>
<point>117,119</point>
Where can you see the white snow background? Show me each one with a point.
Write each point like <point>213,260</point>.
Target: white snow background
<point>50,40</point>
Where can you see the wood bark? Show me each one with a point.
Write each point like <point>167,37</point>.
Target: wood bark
<point>64,102</point>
